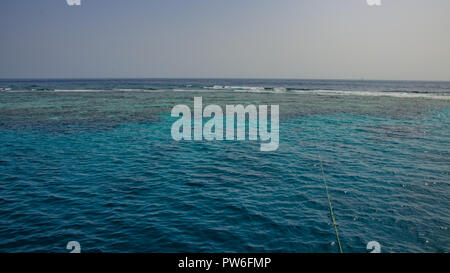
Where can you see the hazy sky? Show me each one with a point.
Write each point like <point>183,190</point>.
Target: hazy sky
<point>402,39</point>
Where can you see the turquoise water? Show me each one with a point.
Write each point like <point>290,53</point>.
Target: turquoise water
<point>99,166</point>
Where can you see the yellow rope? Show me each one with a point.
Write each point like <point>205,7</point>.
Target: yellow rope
<point>331,209</point>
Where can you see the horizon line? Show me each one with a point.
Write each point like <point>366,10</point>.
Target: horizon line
<point>215,78</point>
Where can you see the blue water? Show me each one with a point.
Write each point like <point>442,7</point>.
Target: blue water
<point>93,161</point>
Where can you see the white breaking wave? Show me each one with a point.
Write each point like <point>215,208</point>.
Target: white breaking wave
<point>137,90</point>
<point>190,90</point>
<point>237,88</point>
<point>257,89</point>
<point>105,90</point>
<point>375,94</point>
<point>127,89</point>
<point>279,90</point>
<point>76,90</point>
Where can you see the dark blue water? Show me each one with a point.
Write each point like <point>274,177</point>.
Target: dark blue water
<point>93,161</point>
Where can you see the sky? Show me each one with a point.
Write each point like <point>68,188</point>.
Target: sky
<point>314,39</point>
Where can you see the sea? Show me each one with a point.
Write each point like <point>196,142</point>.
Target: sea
<point>93,161</point>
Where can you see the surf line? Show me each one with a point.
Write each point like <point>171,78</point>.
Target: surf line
<point>333,219</point>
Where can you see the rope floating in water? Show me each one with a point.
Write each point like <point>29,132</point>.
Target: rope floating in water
<point>333,220</point>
